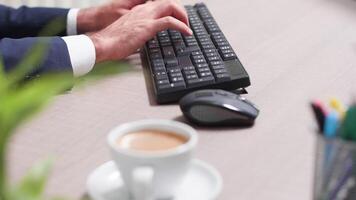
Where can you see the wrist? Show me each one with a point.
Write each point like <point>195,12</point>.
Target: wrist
<point>99,47</point>
<point>86,20</point>
<point>96,18</point>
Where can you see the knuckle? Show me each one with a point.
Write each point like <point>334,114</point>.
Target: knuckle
<point>169,20</point>
<point>171,4</point>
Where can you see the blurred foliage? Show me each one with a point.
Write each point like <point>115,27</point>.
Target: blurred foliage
<point>21,98</point>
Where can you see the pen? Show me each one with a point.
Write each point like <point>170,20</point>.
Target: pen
<point>319,113</point>
<point>348,127</point>
<point>338,106</point>
<point>331,124</point>
<point>340,184</point>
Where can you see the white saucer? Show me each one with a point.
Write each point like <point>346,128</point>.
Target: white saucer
<point>202,182</point>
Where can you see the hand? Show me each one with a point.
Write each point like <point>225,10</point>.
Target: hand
<point>131,31</point>
<point>96,18</point>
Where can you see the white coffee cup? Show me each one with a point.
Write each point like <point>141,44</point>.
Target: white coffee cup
<point>153,175</point>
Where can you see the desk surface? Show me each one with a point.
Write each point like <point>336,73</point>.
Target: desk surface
<point>294,51</point>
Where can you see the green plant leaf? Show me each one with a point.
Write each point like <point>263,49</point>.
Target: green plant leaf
<point>31,61</point>
<point>3,79</point>
<point>107,69</point>
<point>19,101</point>
<point>34,57</point>
<point>24,102</point>
<point>33,184</point>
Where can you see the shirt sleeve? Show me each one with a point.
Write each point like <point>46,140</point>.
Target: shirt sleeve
<point>81,53</point>
<point>56,58</point>
<point>72,21</point>
<point>24,22</point>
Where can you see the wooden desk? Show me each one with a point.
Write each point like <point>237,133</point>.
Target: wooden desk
<point>294,50</point>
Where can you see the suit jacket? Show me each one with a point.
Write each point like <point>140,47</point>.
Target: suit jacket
<point>19,29</point>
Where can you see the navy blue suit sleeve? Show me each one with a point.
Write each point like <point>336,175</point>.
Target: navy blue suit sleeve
<point>56,58</point>
<point>28,22</point>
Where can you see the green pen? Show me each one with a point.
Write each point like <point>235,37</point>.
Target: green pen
<point>348,127</point>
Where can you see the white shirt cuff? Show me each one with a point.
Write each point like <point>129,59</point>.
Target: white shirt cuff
<point>81,52</point>
<point>72,21</point>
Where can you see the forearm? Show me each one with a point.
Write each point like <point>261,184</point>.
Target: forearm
<point>96,18</point>
<point>29,22</point>
<point>56,57</point>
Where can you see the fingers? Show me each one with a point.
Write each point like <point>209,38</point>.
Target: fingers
<point>170,22</point>
<point>172,8</point>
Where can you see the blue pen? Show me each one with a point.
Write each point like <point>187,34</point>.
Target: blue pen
<point>331,126</point>
<point>332,123</point>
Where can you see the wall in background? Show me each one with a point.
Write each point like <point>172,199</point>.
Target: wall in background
<point>51,3</point>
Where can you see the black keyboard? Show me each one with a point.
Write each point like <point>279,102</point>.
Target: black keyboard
<point>181,64</point>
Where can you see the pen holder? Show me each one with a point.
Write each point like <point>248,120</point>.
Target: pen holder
<point>335,169</point>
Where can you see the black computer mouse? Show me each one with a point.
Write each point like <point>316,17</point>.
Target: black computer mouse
<point>218,108</point>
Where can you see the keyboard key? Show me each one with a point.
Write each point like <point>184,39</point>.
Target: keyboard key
<point>191,77</point>
<point>199,61</point>
<point>184,61</point>
<point>218,40</point>
<point>164,39</point>
<point>206,51</point>
<point>189,72</point>
<point>213,63</point>
<point>192,44</point>
<point>196,53</point>
<point>222,77</point>
<point>177,38</point>
<point>205,74</point>
<point>152,46</point>
<point>174,70</point>
<point>197,57</point>
<point>155,50</point>
<point>208,46</point>
<point>175,75</point>
<point>201,81</point>
<point>212,54</point>
<point>221,44</point>
<point>218,67</point>
<point>162,34</point>
<point>220,71</point>
<point>161,77</point>
<point>226,51</point>
<point>172,62</point>
<point>177,79</point>
<point>160,73</point>
<point>158,69</point>
<point>163,82</point>
<point>154,56</point>
<point>179,45</point>
<point>173,32</point>
<point>204,39</point>
<point>229,56</point>
<point>157,63</point>
<point>213,58</point>
<point>164,44</point>
<point>227,47</point>
<point>171,87</point>
<point>202,65</point>
<point>186,51</point>
<point>205,69</point>
<point>168,52</point>
<point>188,68</point>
